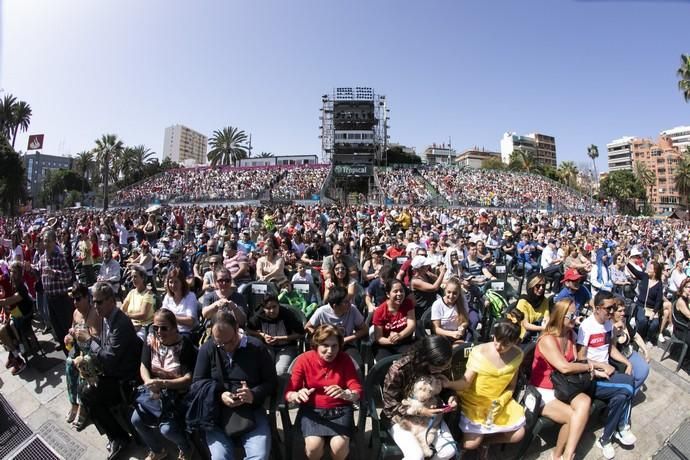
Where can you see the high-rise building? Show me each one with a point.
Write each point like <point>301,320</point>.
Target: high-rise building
<point>680,137</point>
<point>661,158</point>
<point>185,146</point>
<point>620,154</point>
<point>541,146</point>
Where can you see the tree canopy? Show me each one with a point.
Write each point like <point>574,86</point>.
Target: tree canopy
<point>623,187</point>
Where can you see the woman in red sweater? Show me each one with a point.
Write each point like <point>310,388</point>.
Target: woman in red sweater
<point>556,350</point>
<point>325,383</point>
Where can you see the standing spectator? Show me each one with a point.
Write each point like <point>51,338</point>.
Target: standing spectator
<point>56,279</point>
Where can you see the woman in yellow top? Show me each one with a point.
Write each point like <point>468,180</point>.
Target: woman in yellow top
<point>138,304</point>
<point>535,307</point>
<point>489,415</point>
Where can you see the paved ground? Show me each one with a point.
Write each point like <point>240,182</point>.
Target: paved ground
<point>38,396</point>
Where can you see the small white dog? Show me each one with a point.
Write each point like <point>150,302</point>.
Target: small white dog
<point>425,393</point>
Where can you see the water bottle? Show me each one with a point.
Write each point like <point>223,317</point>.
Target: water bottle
<point>489,422</point>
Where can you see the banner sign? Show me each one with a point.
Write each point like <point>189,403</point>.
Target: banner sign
<point>352,170</point>
<point>35,142</point>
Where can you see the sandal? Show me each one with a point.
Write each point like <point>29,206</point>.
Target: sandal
<point>157,456</point>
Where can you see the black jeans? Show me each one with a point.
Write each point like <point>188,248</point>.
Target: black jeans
<point>60,309</point>
<point>99,399</point>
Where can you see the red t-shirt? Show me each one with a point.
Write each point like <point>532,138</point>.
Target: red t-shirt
<point>394,252</point>
<point>392,322</point>
<point>310,371</point>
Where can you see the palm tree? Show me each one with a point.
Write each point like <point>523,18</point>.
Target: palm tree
<point>568,173</point>
<point>265,155</point>
<point>645,175</point>
<point>108,151</point>
<point>228,146</point>
<point>523,160</point>
<point>684,76</point>
<point>7,115</point>
<point>682,179</point>
<point>21,117</point>
<point>83,164</point>
<point>593,153</point>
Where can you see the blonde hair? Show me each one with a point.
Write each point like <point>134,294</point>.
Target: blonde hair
<point>558,312</point>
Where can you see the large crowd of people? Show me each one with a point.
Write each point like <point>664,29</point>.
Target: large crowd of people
<point>493,188</point>
<point>403,186</point>
<point>399,186</point>
<point>345,288</point>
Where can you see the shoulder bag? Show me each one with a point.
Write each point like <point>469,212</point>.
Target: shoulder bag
<point>568,386</point>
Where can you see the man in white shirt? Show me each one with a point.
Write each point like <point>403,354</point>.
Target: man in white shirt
<point>595,344</point>
<point>110,271</point>
<point>552,265</point>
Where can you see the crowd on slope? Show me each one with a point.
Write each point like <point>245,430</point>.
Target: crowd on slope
<point>300,183</point>
<point>403,186</point>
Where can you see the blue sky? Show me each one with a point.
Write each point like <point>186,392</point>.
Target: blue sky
<point>583,71</point>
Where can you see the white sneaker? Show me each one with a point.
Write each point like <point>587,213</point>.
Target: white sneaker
<point>607,449</point>
<point>661,338</point>
<point>625,436</point>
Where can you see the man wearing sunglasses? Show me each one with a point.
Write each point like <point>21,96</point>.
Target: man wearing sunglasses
<point>595,344</point>
<point>116,352</point>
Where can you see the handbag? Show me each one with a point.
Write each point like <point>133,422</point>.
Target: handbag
<point>150,410</point>
<point>568,386</point>
<point>235,421</point>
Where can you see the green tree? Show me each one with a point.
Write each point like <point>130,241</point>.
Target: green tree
<point>684,76</point>
<point>7,115</point>
<point>12,180</point>
<point>645,176</point>
<point>682,179</point>
<point>567,171</point>
<point>623,187</point>
<point>83,164</point>
<point>108,150</point>
<point>228,146</point>
<point>550,172</point>
<point>14,116</point>
<point>266,155</point>
<point>523,160</point>
<point>396,155</point>
<point>58,183</point>
<point>21,117</point>
<point>593,153</point>
<point>493,163</point>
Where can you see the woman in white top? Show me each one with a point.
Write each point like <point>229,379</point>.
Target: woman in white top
<point>270,267</point>
<point>179,300</point>
<point>449,314</point>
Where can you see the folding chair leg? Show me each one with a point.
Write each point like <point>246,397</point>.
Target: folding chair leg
<point>682,356</point>
<point>666,349</point>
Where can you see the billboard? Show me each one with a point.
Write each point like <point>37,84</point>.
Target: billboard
<point>35,142</point>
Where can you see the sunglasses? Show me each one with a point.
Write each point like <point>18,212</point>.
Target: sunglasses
<point>223,280</point>
<point>98,302</point>
<point>540,286</point>
<point>160,328</point>
<point>570,316</point>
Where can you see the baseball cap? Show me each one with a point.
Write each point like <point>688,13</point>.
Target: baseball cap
<point>572,274</point>
<point>419,262</point>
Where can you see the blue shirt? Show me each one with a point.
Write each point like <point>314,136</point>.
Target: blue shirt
<point>581,297</point>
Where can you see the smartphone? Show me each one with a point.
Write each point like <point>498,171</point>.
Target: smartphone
<point>446,408</point>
